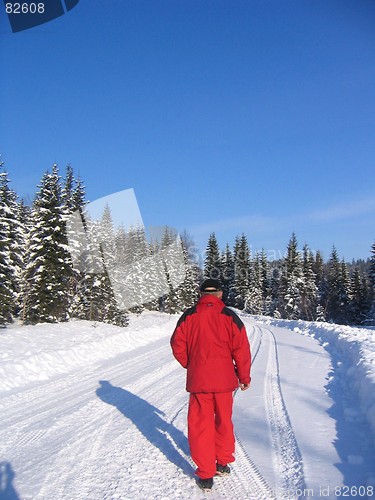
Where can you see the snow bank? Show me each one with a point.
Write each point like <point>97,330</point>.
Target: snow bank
<point>38,352</point>
<point>352,349</point>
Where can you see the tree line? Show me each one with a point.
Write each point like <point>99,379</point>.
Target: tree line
<point>38,279</point>
<point>301,285</point>
<point>40,283</point>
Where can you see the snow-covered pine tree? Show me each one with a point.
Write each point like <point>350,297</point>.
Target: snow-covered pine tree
<point>190,287</point>
<point>254,295</point>
<point>275,301</point>
<point>67,190</point>
<point>212,262</point>
<point>172,301</point>
<point>7,271</point>
<point>110,300</point>
<point>12,245</point>
<point>371,316</point>
<point>265,283</point>
<point>359,298</point>
<point>25,219</point>
<point>107,239</point>
<point>123,262</point>
<point>241,259</point>
<point>95,299</point>
<point>335,293</point>
<point>346,312</point>
<point>310,290</point>
<point>73,201</point>
<point>367,303</point>
<point>154,303</point>
<point>86,294</point>
<point>320,282</point>
<point>7,297</point>
<point>121,242</point>
<point>137,251</point>
<point>48,267</point>
<point>292,282</point>
<point>318,267</point>
<point>227,271</point>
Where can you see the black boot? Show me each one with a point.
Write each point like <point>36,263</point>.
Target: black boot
<point>205,484</point>
<point>222,470</point>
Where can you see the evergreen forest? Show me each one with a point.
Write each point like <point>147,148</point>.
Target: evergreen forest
<point>40,283</point>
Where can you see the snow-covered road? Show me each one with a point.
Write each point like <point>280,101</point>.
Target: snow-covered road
<point>113,424</point>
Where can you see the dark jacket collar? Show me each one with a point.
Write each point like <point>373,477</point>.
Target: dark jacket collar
<point>210,301</point>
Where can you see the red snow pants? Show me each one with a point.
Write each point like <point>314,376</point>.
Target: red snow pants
<point>210,431</point>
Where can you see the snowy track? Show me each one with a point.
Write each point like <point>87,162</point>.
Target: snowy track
<point>117,429</point>
<point>287,457</point>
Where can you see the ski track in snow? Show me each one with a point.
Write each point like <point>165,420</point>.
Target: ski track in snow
<point>117,430</point>
<point>287,456</point>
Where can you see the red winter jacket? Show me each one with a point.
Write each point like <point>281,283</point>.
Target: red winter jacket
<point>210,341</point>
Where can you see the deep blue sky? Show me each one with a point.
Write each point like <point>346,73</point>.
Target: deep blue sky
<point>254,116</point>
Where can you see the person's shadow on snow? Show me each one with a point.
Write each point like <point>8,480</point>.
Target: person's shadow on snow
<point>148,419</point>
<point>7,491</point>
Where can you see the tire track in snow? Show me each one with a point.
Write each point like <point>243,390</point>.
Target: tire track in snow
<point>246,481</point>
<point>255,338</point>
<point>287,456</point>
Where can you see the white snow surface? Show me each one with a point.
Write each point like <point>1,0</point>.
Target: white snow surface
<point>93,411</point>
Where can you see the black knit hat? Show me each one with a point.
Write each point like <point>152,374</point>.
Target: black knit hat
<point>210,285</point>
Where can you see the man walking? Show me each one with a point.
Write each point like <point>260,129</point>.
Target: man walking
<point>210,341</point>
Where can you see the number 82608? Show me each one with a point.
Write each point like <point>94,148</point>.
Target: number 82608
<point>24,8</point>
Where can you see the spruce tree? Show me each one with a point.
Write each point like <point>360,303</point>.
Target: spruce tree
<point>371,316</point>
<point>227,276</point>
<point>120,242</point>
<point>48,267</point>
<point>11,251</point>
<point>318,268</point>
<point>335,295</point>
<point>25,220</point>
<point>329,287</point>
<point>292,282</point>
<point>107,239</point>
<point>265,283</point>
<point>97,297</point>
<point>74,202</point>
<point>110,296</point>
<point>359,298</point>
<point>366,299</point>
<point>275,302</point>
<point>138,284</point>
<point>309,290</point>
<point>346,312</point>
<point>190,287</point>
<point>171,300</point>
<point>241,258</point>
<point>7,298</point>
<point>254,294</point>
<point>320,282</point>
<point>212,262</point>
